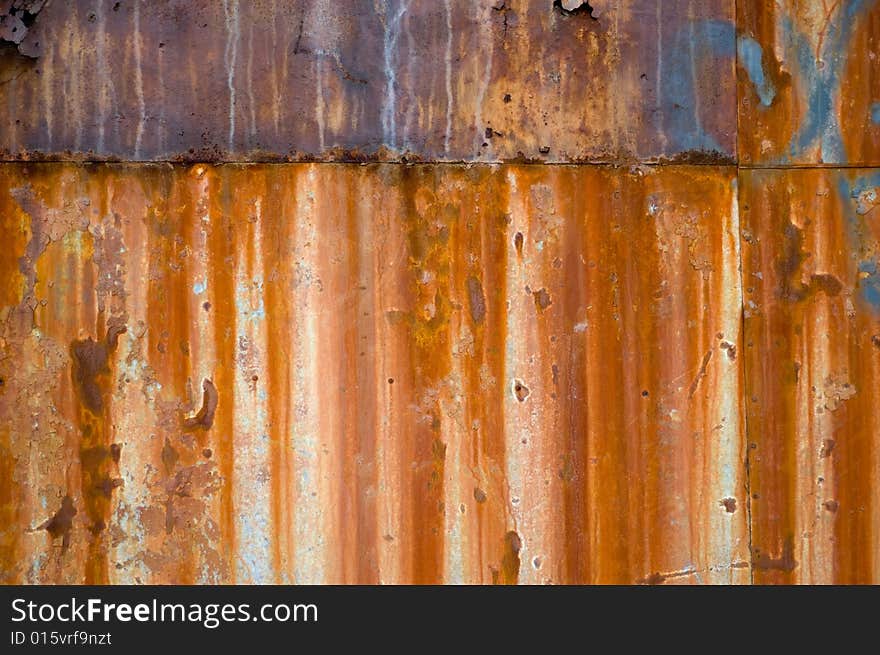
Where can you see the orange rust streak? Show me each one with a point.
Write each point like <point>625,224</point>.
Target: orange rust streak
<point>275,242</point>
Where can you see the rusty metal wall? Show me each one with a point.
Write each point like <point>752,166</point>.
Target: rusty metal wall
<point>618,326</point>
<point>812,355</point>
<point>808,82</point>
<point>322,79</point>
<point>309,373</point>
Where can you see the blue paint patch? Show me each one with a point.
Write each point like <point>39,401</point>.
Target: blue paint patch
<point>852,194</point>
<point>870,284</point>
<point>875,113</point>
<point>750,56</point>
<point>820,123</point>
<point>699,41</point>
<point>199,288</point>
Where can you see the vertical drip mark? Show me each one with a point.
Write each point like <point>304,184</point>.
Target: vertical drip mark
<point>138,81</point>
<point>319,101</point>
<point>250,80</point>
<point>251,439</point>
<point>48,100</point>
<point>389,48</point>
<point>479,128</point>
<point>101,56</point>
<point>364,375</point>
<point>273,241</point>
<point>411,106</point>
<point>693,64</point>
<point>658,84</point>
<point>76,55</point>
<point>307,528</point>
<point>229,57</point>
<point>745,391</point>
<point>161,131</point>
<point>448,77</point>
<point>221,287</point>
<point>276,94</point>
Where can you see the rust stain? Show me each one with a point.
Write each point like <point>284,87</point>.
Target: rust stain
<point>61,522</point>
<point>810,363</point>
<point>593,296</point>
<point>91,374</point>
<point>406,81</point>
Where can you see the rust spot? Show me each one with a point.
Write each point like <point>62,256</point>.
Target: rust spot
<point>115,452</point>
<point>542,299</point>
<point>729,504</point>
<point>90,362</point>
<point>518,243</point>
<point>169,456</point>
<point>653,579</point>
<point>730,349</point>
<point>827,283</point>
<point>876,340</point>
<point>520,390</point>
<point>785,562</point>
<point>61,522</point>
<point>831,505</point>
<point>510,563</point>
<point>107,484</point>
<point>169,516</point>
<point>788,268</point>
<point>479,495</point>
<point>827,448</point>
<point>477,299</point>
<point>205,416</point>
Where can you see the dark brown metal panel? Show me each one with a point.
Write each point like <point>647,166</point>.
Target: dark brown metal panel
<point>320,79</point>
<point>809,85</point>
<point>383,373</point>
<point>812,334</point>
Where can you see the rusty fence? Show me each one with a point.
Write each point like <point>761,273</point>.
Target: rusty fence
<point>508,291</point>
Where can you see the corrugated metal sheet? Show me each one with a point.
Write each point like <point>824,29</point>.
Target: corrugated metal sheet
<point>528,371</point>
<point>812,360</point>
<point>323,79</point>
<point>808,82</point>
<point>307,373</point>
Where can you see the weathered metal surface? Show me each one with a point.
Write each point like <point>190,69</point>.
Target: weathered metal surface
<point>812,340</point>
<point>809,82</point>
<point>321,79</point>
<point>381,373</point>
